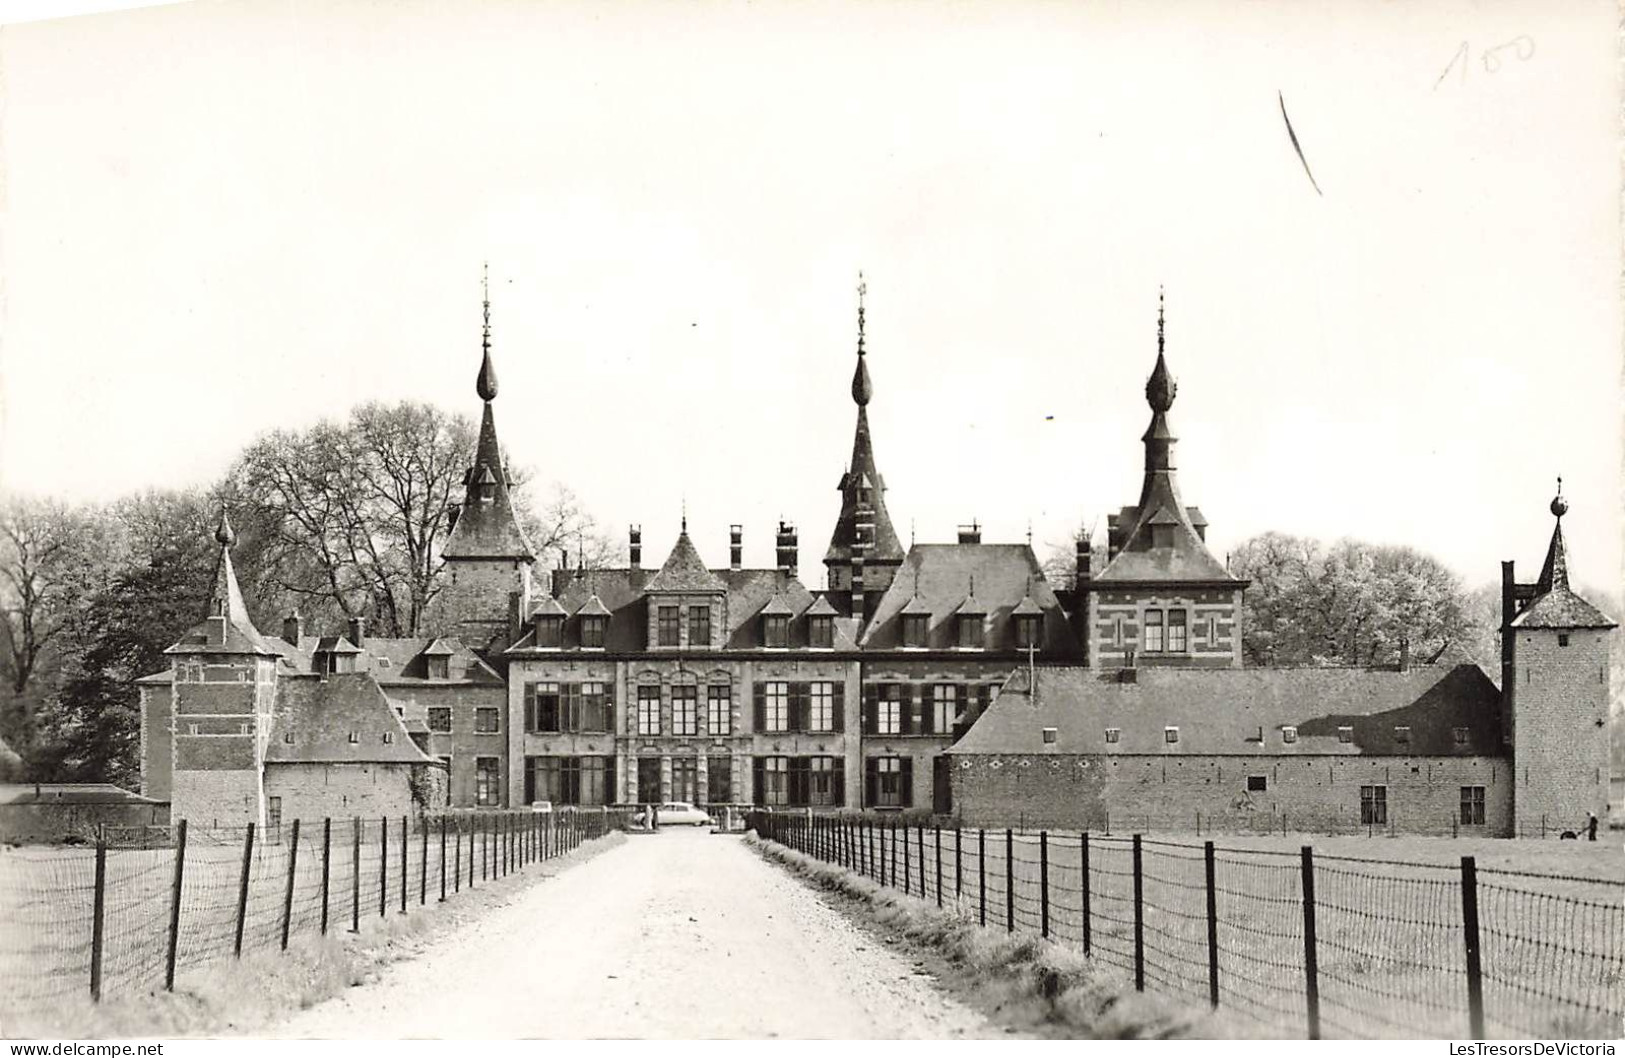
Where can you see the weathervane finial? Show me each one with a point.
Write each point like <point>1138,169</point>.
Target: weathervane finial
<point>1159,318</point>
<point>863,288</point>
<point>485,289</point>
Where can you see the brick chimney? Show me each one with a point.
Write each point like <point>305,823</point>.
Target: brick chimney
<point>358,631</point>
<point>736,547</point>
<point>1085,572</point>
<point>515,618</point>
<point>786,544</point>
<point>1404,654</point>
<point>293,628</point>
<point>970,534</point>
<point>634,536</point>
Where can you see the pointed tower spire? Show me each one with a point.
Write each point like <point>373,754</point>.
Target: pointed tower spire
<point>862,388</point>
<point>1555,572</point>
<point>486,383</point>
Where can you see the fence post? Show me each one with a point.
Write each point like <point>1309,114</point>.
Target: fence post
<point>406,841</point>
<point>1009,880</point>
<point>355,874</point>
<point>1043,883</point>
<point>1212,929</point>
<point>1139,920</point>
<point>423,864</point>
<point>905,855</point>
<point>1311,968</point>
<point>242,889</point>
<point>1469,929</point>
<point>327,859</point>
<point>98,921</point>
<point>1087,939</point>
<point>958,844</point>
<point>287,897</point>
<point>981,877</point>
<point>442,859</point>
<point>383,865</point>
<point>457,858</point>
<point>175,906</point>
<point>937,835</point>
<point>919,832</point>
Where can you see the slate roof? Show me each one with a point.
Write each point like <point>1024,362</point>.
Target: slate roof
<point>684,571</point>
<point>225,600</point>
<point>95,793</point>
<point>1220,711</point>
<point>939,575</point>
<point>487,529</point>
<point>321,713</point>
<point>1562,608</point>
<point>400,661</point>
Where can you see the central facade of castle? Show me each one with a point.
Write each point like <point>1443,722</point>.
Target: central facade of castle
<point>674,681</point>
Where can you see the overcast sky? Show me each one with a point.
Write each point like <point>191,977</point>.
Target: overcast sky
<point>224,218</point>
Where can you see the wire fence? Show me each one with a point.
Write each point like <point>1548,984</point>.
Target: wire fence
<point>1298,944</point>
<point>123,917</point>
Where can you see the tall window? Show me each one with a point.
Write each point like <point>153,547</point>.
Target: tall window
<point>648,710</point>
<point>1153,632</point>
<point>685,710</point>
<point>718,710</point>
<point>776,706</point>
<point>1027,631</point>
<point>595,712</point>
<point>487,785</point>
<point>1472,805</point>
<point>549,631</point>
<point>775,779</point>
<point>775,630</point>
<point>889,710</point>
<point>487,721</point>
<point>685,774</point>
<point>718,780</point>
<point>820,706</point>
<point>944,707</point>
<point>1176,631</point>
<point>821,631</point>
<point>547,710</point>
<point>824,781</point>
<point>569,780</point>
<point>439,718</point>
<point>970,630</point>
<point>699,626</point>
<point>592,631</point>
<point>1373,805</point>
<point>914,625</point>
<point>667,626</point>
<point>890,790</point>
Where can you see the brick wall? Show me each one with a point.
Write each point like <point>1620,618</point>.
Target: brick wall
<point>157,742</point>
<point>473,600</point>
<point>463,745</point>
<point>1559,727</point>
<point>1116,623</point>
<point>1423,794</point>
<point>340,791</point>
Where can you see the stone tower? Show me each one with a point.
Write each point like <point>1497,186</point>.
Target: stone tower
<point>488,559</point>
<point>1555,655</point>
<point>864,553</point>
<point>222,696</point>
<point>1162,599</point>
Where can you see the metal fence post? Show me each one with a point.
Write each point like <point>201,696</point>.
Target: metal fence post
<point>938,836</point>
<point>423,864</point>
<point>1212,929</point>
<point>442,859</point>
<point>406,841</point>
<point>1043,883</point>
<point>327,860</point>
<point>242,889</point>
<point>287,896</point>
<point>981,877</point>
<point>958,873</point>
<point>919,832</point>
<point>175,907</point>
<point>1087,924</point>
<point>98,921</point>
<point>1009,880</point>
<point>355,874</point>
<point>1139,920</point>
<point>905,856</point>
<point>1311,970</point>
<point>383,865</point>
<point>1469,929</point>
<point>457,858</point>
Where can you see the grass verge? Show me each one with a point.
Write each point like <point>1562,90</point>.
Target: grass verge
<point>240,997</point>
<point>1022,982</point>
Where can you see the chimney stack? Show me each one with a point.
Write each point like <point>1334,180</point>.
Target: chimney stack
<point>293,628</point>
<point>515,618</point>
<point>452,511</point>
<point>358,631</point>
<point>786,544</point>
<point>970,534</point>
<point>736,547</point>
<point>1404,654</point>
<point>1085,568</point>
<point>634,535</point>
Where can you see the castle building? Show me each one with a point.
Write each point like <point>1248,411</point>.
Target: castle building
<point>944,677</point>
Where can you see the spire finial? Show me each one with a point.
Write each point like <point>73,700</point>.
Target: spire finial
<point>685,513</point>
<point>1159,318</point>
<point>862,388</point>
<point>486,384</point>
<point>863,288</point>
<point>1560,506</point>
<point>1160,388</point>
<point>224,535</point>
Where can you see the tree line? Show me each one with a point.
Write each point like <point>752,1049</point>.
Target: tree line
<point>343,519</point>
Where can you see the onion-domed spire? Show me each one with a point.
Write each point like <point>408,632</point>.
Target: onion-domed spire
<point>1160,388</point>
<point>486,383</point>
<point>862,388</point>
<point>224,534</point>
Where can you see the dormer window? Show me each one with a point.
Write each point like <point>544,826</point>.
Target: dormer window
<point>666,626</point>
<point>1026,631</point>
<point>775,630</point>
<point>821,631</point>
<point>914,625</point>
<point>550,631</point>
<point>699,626</point>
<point>592,631</point>
<point>439,668</point>
<point>355,738</point>
<point>970,631</point>
<point>1402,735</point>
<point>1289,735</point>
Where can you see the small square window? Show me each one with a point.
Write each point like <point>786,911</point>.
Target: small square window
<point>1170,734</point>
<point>1112,733</point>
<point>1050,734</point>
<point>1345,734</point>
<point>287,737</point>
<point>1257,783</point>
<point>1402,735</point>
<point>1460,734</point>
<point>487,721</point>
<point>389,736</point>
<point>1289,735</point>
<point>355,738</point>
<point>1562,639</point>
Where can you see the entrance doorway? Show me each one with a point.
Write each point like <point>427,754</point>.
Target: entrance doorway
<point>942,800</point>
<point>649,780</point>
<point>685,775</point>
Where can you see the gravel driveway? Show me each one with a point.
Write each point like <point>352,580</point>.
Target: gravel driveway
<point>679,934</point>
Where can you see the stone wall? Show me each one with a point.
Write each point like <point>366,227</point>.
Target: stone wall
<point>340,791</point>
<point>1116,620</point>
<point>1560,727</point>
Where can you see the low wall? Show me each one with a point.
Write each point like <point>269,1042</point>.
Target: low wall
<point>48,823</point>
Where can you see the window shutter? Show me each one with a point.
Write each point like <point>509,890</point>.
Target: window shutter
<point>838,707</point>
<point>530,707</point>
<point>760,697</point>
<point>871,709</point>
<point>923,709</point>
<point>530,779</point>
<point>838,777</point>
<point>798,707</point>
<point>908,782</point>
<point>757,768</point>
<point>871,776</point>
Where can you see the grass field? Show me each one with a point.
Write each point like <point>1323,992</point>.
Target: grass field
<point>1390,940</point>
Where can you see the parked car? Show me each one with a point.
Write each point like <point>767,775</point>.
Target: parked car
<point>541,806</point>
<point>678,813</point>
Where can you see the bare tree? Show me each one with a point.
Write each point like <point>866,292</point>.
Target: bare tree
<point>52,556</point>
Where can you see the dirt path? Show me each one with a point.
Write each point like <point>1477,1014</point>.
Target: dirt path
<point>680,934</point>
